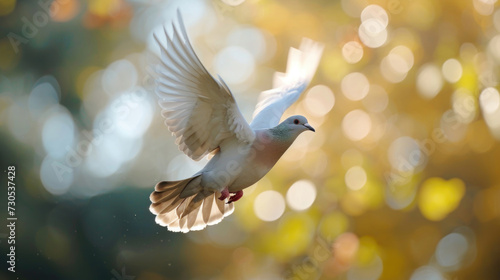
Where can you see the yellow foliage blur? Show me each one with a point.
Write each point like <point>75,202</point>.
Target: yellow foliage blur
<point>439,197</point>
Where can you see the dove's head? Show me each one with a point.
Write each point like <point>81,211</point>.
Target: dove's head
<point>290,128</point>
<point>298,123</point>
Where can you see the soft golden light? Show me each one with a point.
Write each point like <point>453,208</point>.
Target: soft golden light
<point>452,70</point>
<point>438,197</point>
<point>352,52</point>
<point>429,81</point>
<point>319,100</point>
<point>355,178</point>
<point>356,125</point>
<point>355,86</point>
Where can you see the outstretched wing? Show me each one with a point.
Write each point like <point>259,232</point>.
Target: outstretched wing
<point>288,86</point>
<point>199,110</point>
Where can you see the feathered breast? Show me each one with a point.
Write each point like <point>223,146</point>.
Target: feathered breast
<point>268,149</point>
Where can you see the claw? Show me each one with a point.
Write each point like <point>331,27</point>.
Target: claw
<point>235,197</point>
<point>224,194</point>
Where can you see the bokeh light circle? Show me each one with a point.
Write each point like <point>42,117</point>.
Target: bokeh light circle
<point>451,250</point>
<point>494,47</point>
<point>356,125</point>
<point>429,81</point>
<point>452,70</point>
<point>250,38</point>
<point>7,6</point>
<point>484,7</point>
<point>375,12</point>
<point>56,175</point>
<point>496,20</point>
<point>319,100</point>
<point>119,76</point>
<point>489,100</point>
<point>352,52</point>
<point>427,273</point>
<point>355,178</point>
<point>43,96</point>
<point>58,133</point>
<point>355,86</point>
<point>397,63</point>
<point>234,64</point>
<point>233,2</point>
<point>345,247</point>
<point>372,34</point>
<point>269,205</point>
<point>301,195</point>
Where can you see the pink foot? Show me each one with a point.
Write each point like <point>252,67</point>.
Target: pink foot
<point>224,194</point>
<point>235,197</point>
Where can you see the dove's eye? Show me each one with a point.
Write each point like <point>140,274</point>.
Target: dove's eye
<point>296,121</point>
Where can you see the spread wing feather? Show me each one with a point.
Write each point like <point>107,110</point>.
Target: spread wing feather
<point>199,110</point>
<point>288,86</point>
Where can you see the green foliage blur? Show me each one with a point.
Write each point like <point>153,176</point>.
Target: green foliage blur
<point>400,181</point>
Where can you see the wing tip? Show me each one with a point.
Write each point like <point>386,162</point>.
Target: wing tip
<point>301,67</point>
<point>179,14</point>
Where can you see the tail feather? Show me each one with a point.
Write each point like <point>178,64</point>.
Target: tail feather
<point>171,205</point>
<point>192,188</point>
<point>195,203</point>
<point>166,190</point>
<point>179,212</point>
<point>207,210</point>
<point>163,199</point>
<point>217,212</point>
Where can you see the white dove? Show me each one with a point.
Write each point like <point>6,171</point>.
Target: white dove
<point>202,114</point>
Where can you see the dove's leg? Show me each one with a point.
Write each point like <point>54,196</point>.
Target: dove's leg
<point>236,196</point>
<point>224,194</point>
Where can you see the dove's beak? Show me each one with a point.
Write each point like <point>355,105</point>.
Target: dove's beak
<point>309,127</point>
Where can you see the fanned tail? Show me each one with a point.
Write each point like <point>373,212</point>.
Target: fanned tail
<point>184,206</point>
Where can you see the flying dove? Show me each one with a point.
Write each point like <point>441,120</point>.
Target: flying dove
<point>202,114</point>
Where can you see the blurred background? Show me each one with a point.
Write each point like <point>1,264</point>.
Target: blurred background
<point>400,181</point>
